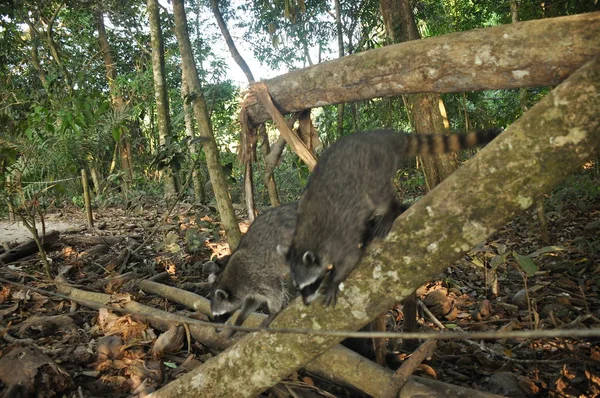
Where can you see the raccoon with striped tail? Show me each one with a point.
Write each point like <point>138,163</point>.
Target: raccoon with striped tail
<point>350,184</point>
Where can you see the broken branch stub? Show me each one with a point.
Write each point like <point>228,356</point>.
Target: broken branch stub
<point>298,146</point>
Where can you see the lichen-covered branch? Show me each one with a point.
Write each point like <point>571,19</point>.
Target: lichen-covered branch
<point>534,53</point>
<point>549,142</point>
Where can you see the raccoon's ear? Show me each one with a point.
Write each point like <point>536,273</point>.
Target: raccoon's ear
<point>221,294</point>
<point>282,251</point>
<point>309,258</point>
<point>210,267</point>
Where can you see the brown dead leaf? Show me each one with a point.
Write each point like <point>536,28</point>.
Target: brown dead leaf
<point>124,326</point>
<point>308,381</point>
<point>169,342</point>
<point>4,294</point>
<point>34,371</point>
<point>43,326</point>
<point>427,370</point>
<point>109,347</point>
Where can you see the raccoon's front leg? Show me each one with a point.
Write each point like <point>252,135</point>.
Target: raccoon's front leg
<point>249,306</point>
<point>340,272</point>
<point>267,321</point>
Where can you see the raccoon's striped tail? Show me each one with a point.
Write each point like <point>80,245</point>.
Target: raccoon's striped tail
<point>430,144</point>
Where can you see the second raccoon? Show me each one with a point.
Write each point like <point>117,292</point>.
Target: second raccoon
<point>255,274</point>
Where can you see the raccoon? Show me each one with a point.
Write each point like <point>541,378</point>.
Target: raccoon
<point>351,183</point>
<point>255,274</point>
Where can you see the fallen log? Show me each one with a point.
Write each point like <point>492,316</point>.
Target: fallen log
<point>537,152</point>
<point>28,248</point>
<point>533,53</point>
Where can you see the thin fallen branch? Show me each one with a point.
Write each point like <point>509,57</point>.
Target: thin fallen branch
<point>27,248</point>
<point>408,367</point>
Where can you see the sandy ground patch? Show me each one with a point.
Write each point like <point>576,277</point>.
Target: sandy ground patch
<point>16,231</point>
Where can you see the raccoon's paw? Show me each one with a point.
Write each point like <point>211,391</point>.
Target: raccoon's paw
<point>330,295</point>
<point>228,333</point>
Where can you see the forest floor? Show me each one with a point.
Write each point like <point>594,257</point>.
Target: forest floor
<point>52,346</point>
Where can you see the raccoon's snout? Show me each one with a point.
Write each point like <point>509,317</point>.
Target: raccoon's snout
<point>310,292</point>
<point>221,318</point>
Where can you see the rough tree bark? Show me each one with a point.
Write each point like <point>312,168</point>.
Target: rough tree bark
<point>215,170</point>
<point>527,54</point>
<point>160,92</point>
<point>340,39</point>
<point>197,176</point>
<point>549,142</point>
<point>116,98</point>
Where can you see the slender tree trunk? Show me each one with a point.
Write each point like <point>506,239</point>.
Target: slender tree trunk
<point>35,58</point>
<point>116,98</point>
<point>340,38</point>
<point>248,180</point>
<point>54,51</point>
<point>215,170</point>
<point>197,175</point>
<point>161,93</point>
<point>269,178</point>
<point>427,110</point>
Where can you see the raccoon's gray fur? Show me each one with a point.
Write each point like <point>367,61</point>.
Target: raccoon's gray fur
<point>255,274</point>
<point>351,182</point>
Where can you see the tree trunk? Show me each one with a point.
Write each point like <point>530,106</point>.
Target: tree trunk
<point>535,154</point>
<point>35,58</point>
<point>425,109</point>
<point>197,176</point>
<point>54,47</point>
<point>248,181</point>
<point>340,38</point>
<point>116,98</point>
<point>161,93</point>
<point>215,170</point>
<point>269,179</point>
<point>508,56</point>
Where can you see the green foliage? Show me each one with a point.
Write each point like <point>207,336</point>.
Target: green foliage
<point>526,263</point>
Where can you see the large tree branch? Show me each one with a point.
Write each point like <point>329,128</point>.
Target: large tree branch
<point>531,157</point>
<point>534,53</point>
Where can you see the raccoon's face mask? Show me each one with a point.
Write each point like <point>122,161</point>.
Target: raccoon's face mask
<point>221,306</point>
<point>307,272</point>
